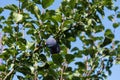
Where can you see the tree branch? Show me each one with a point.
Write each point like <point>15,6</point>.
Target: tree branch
<point>63,69</point>
<point>61,75</point>
<point>8,74</point>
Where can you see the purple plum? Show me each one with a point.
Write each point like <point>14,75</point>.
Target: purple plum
<point>53,45</point>
<point>50,42</point>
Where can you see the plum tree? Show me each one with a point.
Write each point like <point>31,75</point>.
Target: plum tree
<point>83,45</point>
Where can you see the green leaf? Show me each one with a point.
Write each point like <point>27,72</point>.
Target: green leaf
<point>75,78</point>
<point>25,4</point>
<point>110,17</point>
<point>75,49</point>
<point>0,26</point>
<point>80,64</point>
<point>109,4</point>
<point>1,18</point>
<point>115,25</point>
<point>43,57</point>
<point>88,41</point>
<point>66,25</point>
<point>118,59</point>
<point>57,17</point>
<point>89,22</point>
<point>8,52</point>
<point>106,51</point>
<point>19,34</point>
<point>26,16</point>
<point>1,10</point>
<point>72,3</point>
<point>57,59</point>
<point>109,72</point>
<point>37,12</point>
<point>116,42</point>
<point>20,77</point>
<point>31,31</point>
<point>29,25</point>
<point>2,67</point>
<point>116,8</point>
<point>53,73</point>
<point>23,41</point>
<point>8,29</point>
<point>108,33</point>
<point>37,1</point>
<point>67,22</point>
<point>72,39</point>
<point>101,11</point>
<point>17,17</point>
<point>11,7</point>
<point>106,41</point>
<point>21,44</point>
<point>47,3</point>
<point>29,45</point>
<point>69,58</point>
<point>118,15</point>
<point>24,69</point>
<point>98,28</point>
<point>32,8</point>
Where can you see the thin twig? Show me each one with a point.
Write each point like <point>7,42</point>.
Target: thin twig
<point>1,47</point>
<point>19,7</point>
<point>63,69</point>
<point>86,65</point>
<point>8,74</point>
<point>35,76</point>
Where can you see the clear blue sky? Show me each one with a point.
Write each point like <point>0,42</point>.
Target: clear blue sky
<point>116,68</point>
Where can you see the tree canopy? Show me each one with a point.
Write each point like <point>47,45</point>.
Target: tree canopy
<point>27,52</point>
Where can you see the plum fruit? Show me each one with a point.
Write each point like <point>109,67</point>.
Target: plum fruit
<point>53,45</point>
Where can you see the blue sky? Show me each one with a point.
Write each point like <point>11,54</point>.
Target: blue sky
<point>116,68</point>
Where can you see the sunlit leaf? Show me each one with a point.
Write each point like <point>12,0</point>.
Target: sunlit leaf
<point>17,17</point>
<point>37,12</point>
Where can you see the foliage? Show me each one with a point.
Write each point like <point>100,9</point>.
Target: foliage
<point>32,23</point>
